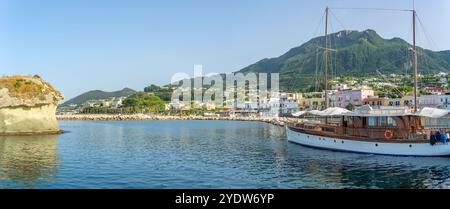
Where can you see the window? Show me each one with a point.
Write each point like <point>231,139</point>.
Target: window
<point>391,122</point>
<point>372,121</point>
<point>383,121</point>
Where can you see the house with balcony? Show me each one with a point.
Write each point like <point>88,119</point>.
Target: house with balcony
<point>354,97</point>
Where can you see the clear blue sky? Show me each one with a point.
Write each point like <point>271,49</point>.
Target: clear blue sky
<point>80,45</point>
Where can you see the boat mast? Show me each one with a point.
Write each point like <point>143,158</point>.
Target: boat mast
<point>326,57</point>
<point>414,60</point>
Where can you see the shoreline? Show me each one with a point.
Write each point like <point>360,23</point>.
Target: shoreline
<point>280,121</point>
<point>38,133</point>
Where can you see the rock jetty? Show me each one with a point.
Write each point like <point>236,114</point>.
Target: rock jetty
<point>27,106</point>
<point>280,121</point>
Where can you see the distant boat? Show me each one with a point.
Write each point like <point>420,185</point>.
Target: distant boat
<point>386,131</point>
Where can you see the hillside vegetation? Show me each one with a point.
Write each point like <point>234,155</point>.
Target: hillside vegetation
<point>98,95</point>
<point>358,54</point>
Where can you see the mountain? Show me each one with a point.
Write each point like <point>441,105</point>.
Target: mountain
<point>358,53</point>
<point>97,95</point>
<point>445,55</point>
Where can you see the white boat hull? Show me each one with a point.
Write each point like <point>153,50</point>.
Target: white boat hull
<point>401,149</point>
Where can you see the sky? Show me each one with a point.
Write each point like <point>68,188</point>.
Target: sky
<point>82,45</point>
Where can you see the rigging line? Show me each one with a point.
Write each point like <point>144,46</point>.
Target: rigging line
<point>370,8</point>
<point>379,72</point>
<point>315,76</point>
<point>332,39</point>
<point>425,32</point>
<point>318,25</point>
<point>314,35</point>
<point>395,88</point>
<point>337,20</point>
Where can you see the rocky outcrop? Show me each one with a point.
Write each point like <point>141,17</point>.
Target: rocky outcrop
<point>27,106</point>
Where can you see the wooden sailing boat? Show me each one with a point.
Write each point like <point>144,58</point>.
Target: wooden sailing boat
<point>388,131</point>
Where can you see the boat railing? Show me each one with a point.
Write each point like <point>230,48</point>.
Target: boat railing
<point>377,133</point>
<point>382,133</point>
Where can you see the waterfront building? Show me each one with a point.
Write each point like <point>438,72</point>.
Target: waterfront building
<point>117,102</point>
<point>435,101</point>
<point>434,90</point>
<point>209,106</point>
<point>376,101</point>
<point>106,103</point>
<point>354,97</point>
<point>177,105</point>
<point>313,103</point>
<point>288,103</point>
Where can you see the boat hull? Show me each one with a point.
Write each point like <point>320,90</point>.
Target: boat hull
<point>381,148</point>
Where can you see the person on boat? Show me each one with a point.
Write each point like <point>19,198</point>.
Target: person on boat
<point>432,139</point>
<point>444,138</point>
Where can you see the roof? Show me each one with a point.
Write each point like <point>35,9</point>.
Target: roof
<point>332,111</point>
<point>432,112</point>
<point>365,112</point>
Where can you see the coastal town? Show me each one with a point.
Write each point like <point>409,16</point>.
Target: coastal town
<point>349,92</point>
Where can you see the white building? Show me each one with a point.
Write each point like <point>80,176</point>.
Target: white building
<point>286,103</point>
<point>177,105</point>
<point>117,102</point>
<point>436,101</point>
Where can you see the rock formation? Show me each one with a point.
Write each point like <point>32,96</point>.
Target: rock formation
<point>27,106</point>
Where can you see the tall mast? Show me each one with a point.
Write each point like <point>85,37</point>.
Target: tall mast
<point>414,60</point>
<point>326,57</point>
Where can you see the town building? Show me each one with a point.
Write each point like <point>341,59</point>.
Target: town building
<point>376,101</point>
<point>434,90</point>
<point>435,101</point>
<point>354,97</point>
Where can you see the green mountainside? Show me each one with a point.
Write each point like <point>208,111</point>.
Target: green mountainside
<point>97,95</point>
<point>358,54</point>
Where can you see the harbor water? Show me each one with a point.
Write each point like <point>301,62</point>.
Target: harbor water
<point>199,154</point>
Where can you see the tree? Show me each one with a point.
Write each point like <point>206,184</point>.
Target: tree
<point>349,106</point>
<point>143,102</point>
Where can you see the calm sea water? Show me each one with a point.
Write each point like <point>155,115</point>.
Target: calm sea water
<point>199,154</point>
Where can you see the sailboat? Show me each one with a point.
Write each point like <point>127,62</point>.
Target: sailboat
<point>384,131</point>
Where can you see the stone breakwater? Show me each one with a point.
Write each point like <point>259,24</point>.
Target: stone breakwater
<point>280,121</point>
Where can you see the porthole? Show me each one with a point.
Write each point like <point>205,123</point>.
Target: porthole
<point>334,141</point>
<point>410,145</point>
<point>342,142</point>
<point>376,145</point>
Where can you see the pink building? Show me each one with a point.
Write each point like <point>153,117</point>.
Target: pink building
<point>355,97</point>
<point>434,90</point>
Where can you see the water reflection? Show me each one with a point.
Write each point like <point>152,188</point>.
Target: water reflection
<point>346,170</point>
<point>199,154</point>
<point>27,161</point>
